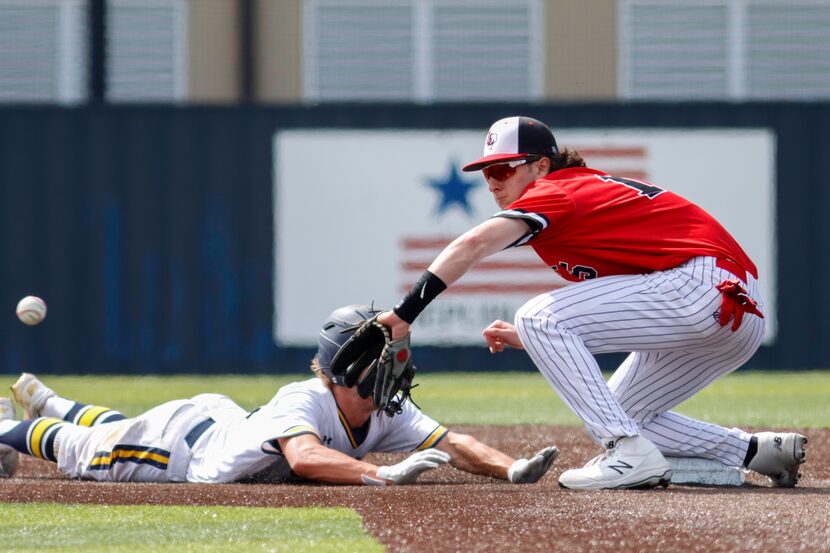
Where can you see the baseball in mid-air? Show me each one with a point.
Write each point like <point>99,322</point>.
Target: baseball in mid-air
<point>31,310</point>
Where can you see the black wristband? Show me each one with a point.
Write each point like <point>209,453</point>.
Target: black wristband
<point>423,292</point>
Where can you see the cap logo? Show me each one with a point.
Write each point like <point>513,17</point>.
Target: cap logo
<point>491,138</point>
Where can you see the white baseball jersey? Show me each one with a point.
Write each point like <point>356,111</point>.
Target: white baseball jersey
<point>238,445</point>
<point>247,445</point>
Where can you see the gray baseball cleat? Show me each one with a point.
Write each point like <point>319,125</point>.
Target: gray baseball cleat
<point>529,471</point>
<point>779,456</point>
<point>8,454</point>
<point>31,394</point>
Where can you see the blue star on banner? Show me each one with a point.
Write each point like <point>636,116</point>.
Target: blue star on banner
<point>453,189</point>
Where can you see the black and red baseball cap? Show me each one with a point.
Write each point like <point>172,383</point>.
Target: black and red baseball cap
<point>514,138</point>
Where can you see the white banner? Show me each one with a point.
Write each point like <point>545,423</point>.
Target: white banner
<point>359,215</point>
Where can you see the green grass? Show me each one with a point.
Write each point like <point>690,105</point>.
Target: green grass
<point>757,399</point>
<point>37,527</point>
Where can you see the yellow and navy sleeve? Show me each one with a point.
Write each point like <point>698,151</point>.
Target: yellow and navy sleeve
<point>433,438</point>
<point>297,430</point>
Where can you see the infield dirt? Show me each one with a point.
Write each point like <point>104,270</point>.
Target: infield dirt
<point>453,511</point>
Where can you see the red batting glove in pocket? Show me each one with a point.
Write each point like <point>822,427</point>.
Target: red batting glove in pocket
<point>735,301</point>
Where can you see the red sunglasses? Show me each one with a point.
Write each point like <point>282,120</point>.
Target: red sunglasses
<point>503,171</point>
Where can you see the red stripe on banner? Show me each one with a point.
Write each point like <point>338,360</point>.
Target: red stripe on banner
<point>464,289</point>
<point>485,266</point>
<point>613,152</point>
<point>425,243</point>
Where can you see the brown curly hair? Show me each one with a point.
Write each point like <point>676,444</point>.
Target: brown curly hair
<point>565,159</point>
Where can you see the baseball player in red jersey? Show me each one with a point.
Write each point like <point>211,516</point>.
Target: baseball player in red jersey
<point>636,269</point>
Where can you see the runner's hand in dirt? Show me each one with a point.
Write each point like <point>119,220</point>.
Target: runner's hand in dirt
<point>529,471</point>
<point>500,334</point>
<point>408,470</point>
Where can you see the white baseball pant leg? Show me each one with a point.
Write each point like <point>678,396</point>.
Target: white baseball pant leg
<point>669,319</point>
<point>149,448</point>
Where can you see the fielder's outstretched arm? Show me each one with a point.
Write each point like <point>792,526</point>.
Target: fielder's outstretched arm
<point>483,240</point>
<point>489,237</point>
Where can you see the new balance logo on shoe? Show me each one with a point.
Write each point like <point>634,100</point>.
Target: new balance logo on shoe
<point>619,466</point>
<point>634,462</point>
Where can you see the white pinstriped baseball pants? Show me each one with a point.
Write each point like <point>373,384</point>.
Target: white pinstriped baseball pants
<point>668,319</point>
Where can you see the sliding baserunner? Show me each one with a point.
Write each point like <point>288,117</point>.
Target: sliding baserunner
<point>317,429</point>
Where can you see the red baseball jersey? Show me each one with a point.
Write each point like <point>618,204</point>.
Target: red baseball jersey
<point>586,224</point>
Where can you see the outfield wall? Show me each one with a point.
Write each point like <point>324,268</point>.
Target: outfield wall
<point>151,231</point>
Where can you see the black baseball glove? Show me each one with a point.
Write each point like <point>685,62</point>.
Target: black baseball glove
<point>379,366</point>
